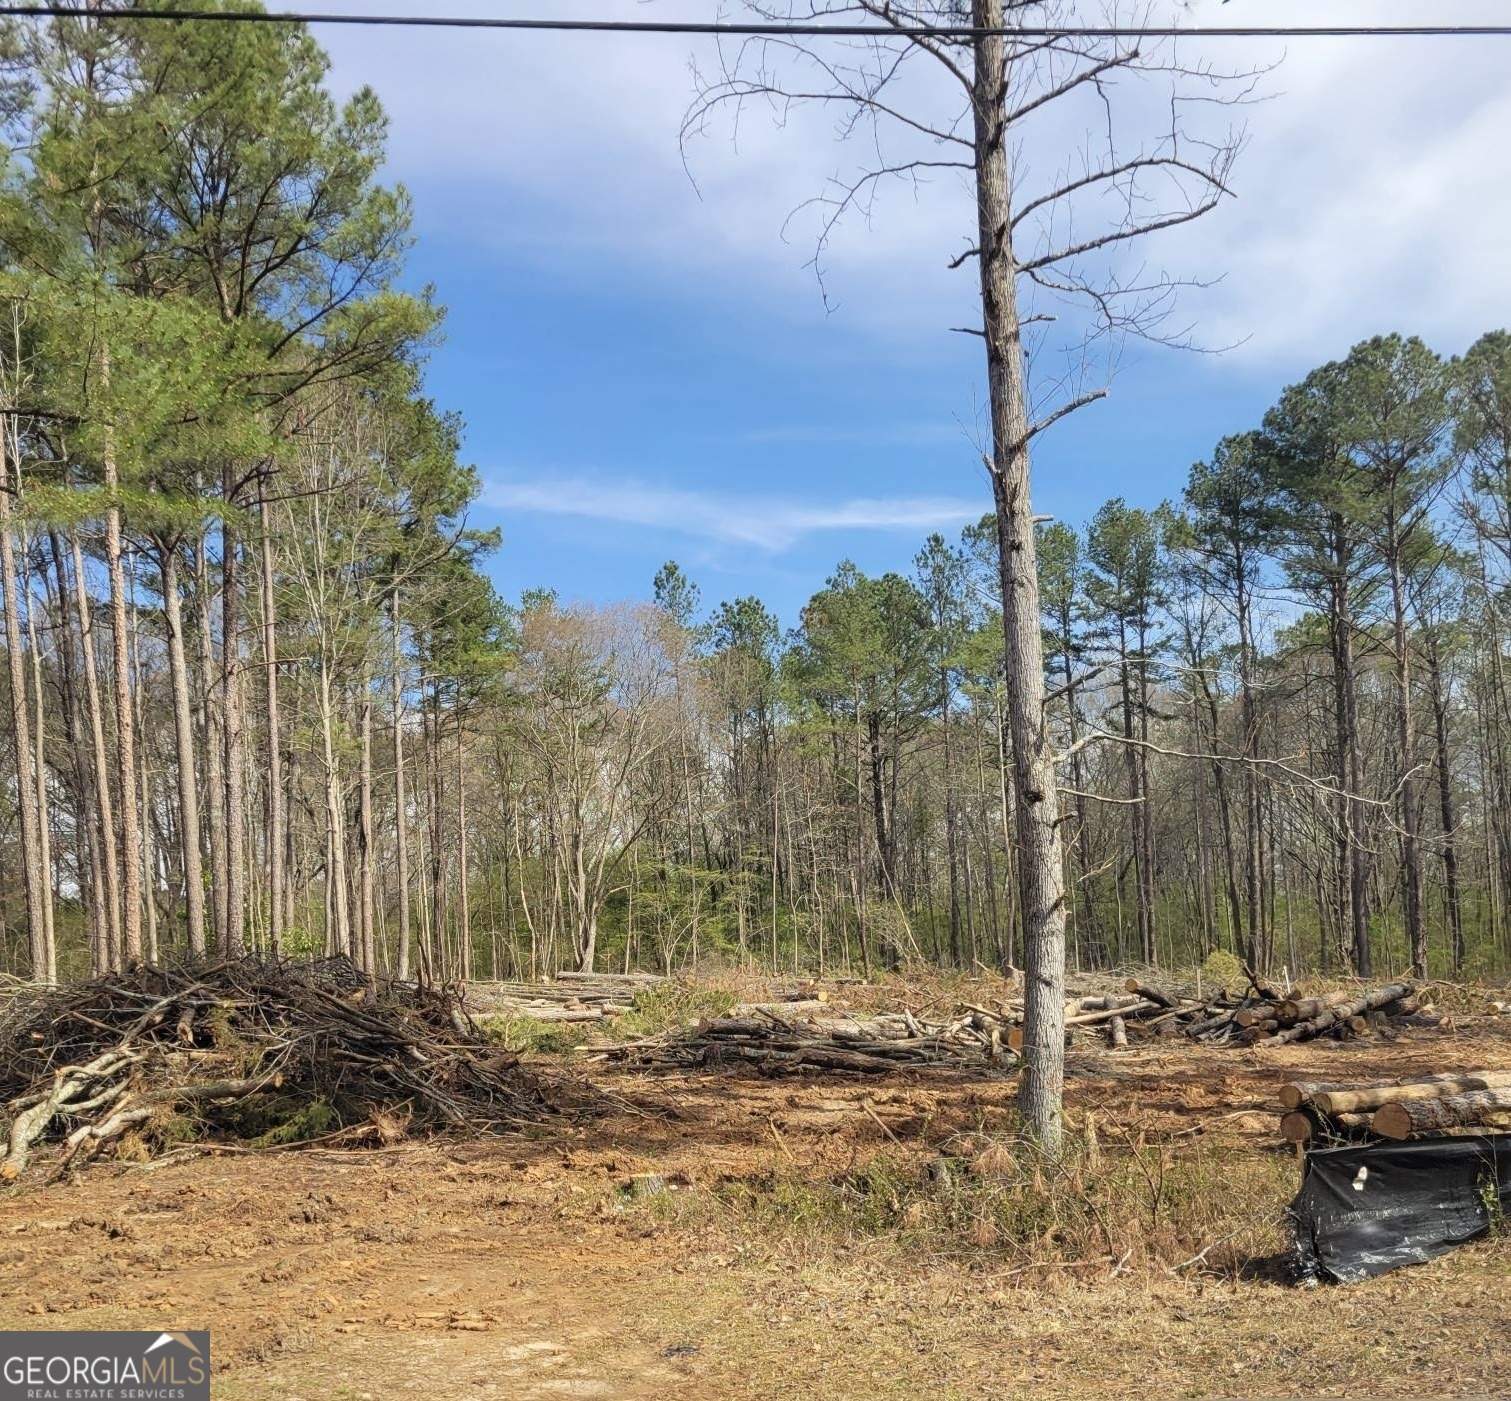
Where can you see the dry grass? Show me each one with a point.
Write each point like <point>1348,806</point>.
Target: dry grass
<point>1100,1208</point>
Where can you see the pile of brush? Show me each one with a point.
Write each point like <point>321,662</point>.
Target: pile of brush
<point>781,1041</point>
<point>250,1050</point>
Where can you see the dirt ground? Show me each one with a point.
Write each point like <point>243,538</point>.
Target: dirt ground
<point>522,1268</point>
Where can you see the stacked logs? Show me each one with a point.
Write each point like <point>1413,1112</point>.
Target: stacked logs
<point>570,997</point>
<point>600,997</point>
<point>1272,1019</point>
<point>1436,1104</point>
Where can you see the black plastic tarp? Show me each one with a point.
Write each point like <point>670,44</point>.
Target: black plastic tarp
<point>1365,1210</point>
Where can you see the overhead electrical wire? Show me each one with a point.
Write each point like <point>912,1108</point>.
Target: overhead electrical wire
<point>738,29</point>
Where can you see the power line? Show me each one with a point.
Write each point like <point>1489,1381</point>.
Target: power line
<point>735,29</point>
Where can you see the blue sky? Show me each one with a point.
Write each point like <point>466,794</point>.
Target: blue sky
<point>647,370</point>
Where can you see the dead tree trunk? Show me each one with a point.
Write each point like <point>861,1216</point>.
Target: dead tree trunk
<point>1040,864</point>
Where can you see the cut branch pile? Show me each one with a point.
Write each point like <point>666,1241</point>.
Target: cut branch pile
<point>1320,1113</point>
<point>805,1041</point>
<point>810,1035</point>
<point>250,1051</point>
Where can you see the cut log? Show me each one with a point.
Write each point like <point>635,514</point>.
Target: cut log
<point>1117,1033</point>
<point>1325,1021</point>
<point>1111,1003</point>
<point>1301,1009</point>
<point>1404,1118</point>
<point>1301,1125</point>
<point>1256,1032</point>
<point>1299,1092</point>
<point>612,979</point>
<point>1132,1010</point>
<point>782,1010</point>
<point>1267,991</point>
<point>1344,1099</point>
<point>1264,1012</point>
<point>1150,994</point>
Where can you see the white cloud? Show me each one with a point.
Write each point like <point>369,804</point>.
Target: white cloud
<point>768,523</point>
<point>1373,195</point>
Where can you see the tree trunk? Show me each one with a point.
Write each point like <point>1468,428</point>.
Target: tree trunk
<point>26,787</point>
<point>1446,815</point>
<point>464,907</point>
<point>44,818</point>
<point>277,874</point>
<point>86,818</point>
<point>1350,763</point>
<point>1040,868</point>
<point>401,797</point>
<point>1416,928</point>
<point>232,731</point>
<point>183,735</point>
<point>125,720</point>
<point>1255,950</point>
<point>214,747</point>
<point>149,856</point>
<point>105,810</point>
<point>368,959</point>
<point>335,875</point>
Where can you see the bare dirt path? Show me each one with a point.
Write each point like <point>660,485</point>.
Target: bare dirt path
<point>523,1269</point>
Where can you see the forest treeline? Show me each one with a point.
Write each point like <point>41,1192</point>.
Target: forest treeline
<point>261,694</point>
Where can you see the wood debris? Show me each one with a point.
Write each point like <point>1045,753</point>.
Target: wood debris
<point>250,1050</point>
<point>1319,1114</point>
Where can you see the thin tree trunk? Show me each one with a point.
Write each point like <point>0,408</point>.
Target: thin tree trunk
<point>233,731</point>
<point>464,907</point>
<point>210,687</point>
<point>277,873</point>
<point>125,720</point>
<point>401,798</point>
<point>1416,927</point>
<point>44,818</point>
<point>149,856</point>
<point>339,926</point>
<point>365,836</point>
<point>105,809</point>
<point>1040,868</point>
<point>183,736</point>
<point>26,782</point>
<point>86,818</point>
<point>1446,815</point>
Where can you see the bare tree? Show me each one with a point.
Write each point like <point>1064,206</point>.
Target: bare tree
<point>1111,119</point>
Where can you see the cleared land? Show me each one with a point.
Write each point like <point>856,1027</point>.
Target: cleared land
<point>802,1247</point>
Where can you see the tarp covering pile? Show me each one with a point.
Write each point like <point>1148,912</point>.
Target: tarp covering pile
<point>1363,1211</point>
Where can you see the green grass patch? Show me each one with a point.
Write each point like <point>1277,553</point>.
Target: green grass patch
<point>669,1005</point>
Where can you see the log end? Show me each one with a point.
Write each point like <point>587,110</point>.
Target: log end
<point>1392,1121</point>
<point>1296,1127</point>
